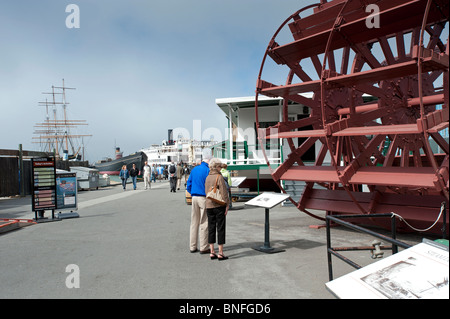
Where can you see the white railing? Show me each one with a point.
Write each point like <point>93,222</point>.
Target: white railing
<point>254,156</point>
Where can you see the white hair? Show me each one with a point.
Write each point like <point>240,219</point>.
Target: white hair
<point>215,163</point>
<point>206,154</point>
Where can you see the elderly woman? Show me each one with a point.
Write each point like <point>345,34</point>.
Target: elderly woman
<point>216,213</point>
<point>124,174</point>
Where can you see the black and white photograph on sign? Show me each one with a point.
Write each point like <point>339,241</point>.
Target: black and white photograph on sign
<point>420,272</point>
<point>268,199</point>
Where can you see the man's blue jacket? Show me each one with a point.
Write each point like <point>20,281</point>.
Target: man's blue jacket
<point>196,181</point>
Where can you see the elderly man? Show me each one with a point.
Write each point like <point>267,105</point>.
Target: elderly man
<point>199,221</point>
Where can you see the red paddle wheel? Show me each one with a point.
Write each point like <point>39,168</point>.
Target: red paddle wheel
<point>377,91</point>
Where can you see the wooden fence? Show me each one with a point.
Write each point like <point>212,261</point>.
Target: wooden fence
<point>15,170</point>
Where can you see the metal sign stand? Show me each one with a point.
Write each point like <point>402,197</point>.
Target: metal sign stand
<point>267,201</point>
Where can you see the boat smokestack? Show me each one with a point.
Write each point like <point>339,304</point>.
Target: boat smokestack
<point>118,153</point>
<point>170,137</point>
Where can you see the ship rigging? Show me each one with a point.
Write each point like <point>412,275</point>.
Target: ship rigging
<point>57,134</point>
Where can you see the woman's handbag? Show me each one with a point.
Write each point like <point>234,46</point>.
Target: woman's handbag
<point>215,195</point>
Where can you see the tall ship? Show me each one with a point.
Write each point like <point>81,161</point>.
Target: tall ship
<point>57,133</point>
<point>113,166</point>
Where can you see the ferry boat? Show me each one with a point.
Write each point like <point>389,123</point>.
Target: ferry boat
<point>186,151</point>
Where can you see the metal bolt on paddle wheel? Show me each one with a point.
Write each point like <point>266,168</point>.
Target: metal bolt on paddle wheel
<point>378,101</point>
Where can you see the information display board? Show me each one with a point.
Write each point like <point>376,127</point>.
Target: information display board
<point>419,272</point>
<point>66,190</point>
<point>44,184</point>
<point>268,200</point>
<point>237,180</point>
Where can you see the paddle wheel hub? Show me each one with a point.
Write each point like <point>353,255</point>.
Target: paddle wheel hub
<point>377,99</point>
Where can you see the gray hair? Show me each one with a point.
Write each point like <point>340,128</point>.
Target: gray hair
<point>206,155</point>
<point>215,163</point>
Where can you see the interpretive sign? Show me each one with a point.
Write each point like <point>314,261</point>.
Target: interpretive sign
<point>66,190</point>
<point>44,184</point>
<point>267,200</point>
<point>419,272</point>
<point>237,180</point>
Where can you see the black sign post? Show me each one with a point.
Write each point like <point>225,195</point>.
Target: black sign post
<point>44,187</point>
<point>267,201</point>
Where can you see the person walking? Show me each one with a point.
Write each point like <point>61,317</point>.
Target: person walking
<point>154,173</point>
<point>165,172</point>
<point>134,172</point>
<point>179,174</point>
<point>186,172</point>
<point>172,172</point>
<point>198,234</point>
<point>216,213</point>
<point>124,174</point>
<point>160,171</point>
<point>147,179</point>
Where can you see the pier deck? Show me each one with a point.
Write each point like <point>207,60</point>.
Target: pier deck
<point>135,244</point>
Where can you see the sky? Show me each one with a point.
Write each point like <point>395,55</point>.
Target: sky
<point>139,67</point>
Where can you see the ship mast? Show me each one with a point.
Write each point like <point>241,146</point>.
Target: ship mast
<point>54,134</point>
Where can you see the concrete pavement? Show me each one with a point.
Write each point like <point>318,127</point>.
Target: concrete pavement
<point>135,244</point>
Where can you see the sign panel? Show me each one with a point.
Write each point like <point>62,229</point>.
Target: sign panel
<point>268,200</point>
<point>66,190</point>
<point>44,184</point>
<point>419,272</point>
<point>237,180</point>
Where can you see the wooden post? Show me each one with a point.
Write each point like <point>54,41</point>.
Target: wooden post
<point>21,173</point>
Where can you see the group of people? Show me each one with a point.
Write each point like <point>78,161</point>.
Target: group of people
<point>124,174</point>
<point>207,217</point>
<point>176,173</point>
<point>151,173</point>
